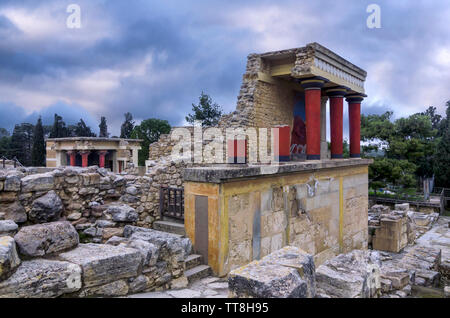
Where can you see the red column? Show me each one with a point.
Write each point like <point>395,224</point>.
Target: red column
<point>354,118</point>
<point>84,158</point>
<point>73,161</point>
<point>313,94</point>
<point>101,155</point>
<point>336,95</point>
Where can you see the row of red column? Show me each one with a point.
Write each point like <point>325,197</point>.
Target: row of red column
<point>313,92</point>
<point>85,156</point>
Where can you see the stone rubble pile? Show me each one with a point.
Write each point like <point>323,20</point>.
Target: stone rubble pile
<point>392,231</point>
<point>141,260</point>
<point>352,275</point>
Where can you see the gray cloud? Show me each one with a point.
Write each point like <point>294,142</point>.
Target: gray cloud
<point>154,58</point>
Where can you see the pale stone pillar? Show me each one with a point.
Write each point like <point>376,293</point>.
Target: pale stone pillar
<point>323,128</point>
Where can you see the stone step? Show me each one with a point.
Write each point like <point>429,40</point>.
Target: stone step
<point>198,272</point>
<point>192,261</point>
<point>170,227</point>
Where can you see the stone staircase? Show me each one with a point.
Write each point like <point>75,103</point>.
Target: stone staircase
<point>194,267</point>
<point>170,227</point>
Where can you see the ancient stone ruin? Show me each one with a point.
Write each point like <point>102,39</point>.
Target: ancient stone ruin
<point>291,222</point>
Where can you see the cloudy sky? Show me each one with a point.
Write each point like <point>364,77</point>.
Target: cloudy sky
<point>153,58</point>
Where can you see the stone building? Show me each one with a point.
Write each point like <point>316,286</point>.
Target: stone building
<point>112,153</point>
<point>316,201</point>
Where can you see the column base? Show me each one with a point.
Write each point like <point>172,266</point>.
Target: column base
<point>337,156</point>
<point>312,157</point>
<point>355,155</point>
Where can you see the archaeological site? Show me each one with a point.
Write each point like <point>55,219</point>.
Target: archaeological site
<point>259,206</point>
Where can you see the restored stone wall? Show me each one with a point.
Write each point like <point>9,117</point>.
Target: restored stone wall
<point>83,196</point>
<point>323,212</point>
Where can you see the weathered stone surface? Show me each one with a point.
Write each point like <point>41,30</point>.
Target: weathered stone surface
<point>149,251</point>
<point>266,281</point>
<point>12,183</point>
<point>296,258</point>
<point>9,260</point>
<point>74,216</point>
<point>138,284</point>
<point>110,232</point>
<point>102,263</point>
<point>117,288</point>
<point>15,212</point>
<point>116,240</point>
<point>38,182</point>
<point>352,275</point>
<point>8,227</point>
<point>122,213</point>
<point>42,278</point>
<point>402,207</point>
<point>47,238</point>
<point>176,244</point>
<point>46,208</point>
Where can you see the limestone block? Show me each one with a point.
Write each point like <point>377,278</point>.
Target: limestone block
<point>12,183</point>
<point>149,251</point>
<point>42,278</point>
<point>8,228</point>
<point>294,257</point>
<point>38,182</point>
<point>402,207</point>
<point>46,208</point>
<point>138,284</point>
<point>8,197</point>
<point>47,238</point>
<point>352,275</point>
<point>122,213</point>
<point>9,260</point>
<point>266,281</point>
<point>103,263</point>
<point>116,288</point>
<point>107,233</point>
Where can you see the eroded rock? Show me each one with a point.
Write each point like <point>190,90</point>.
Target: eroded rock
<point>8,227</point>
<point>47,238</point>
<point>42,278</point>
<point>46,208</point>
<point>9,259</point>
<point>102,263</point>
<point>352,275</point>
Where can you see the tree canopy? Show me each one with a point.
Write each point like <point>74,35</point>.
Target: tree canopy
<point>149,131</point>
<point>103,128</point>
<point>127,127</point>
<point>207,112</point>
<point>38,148</point>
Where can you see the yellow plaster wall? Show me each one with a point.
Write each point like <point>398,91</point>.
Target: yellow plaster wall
<point>330,221</point>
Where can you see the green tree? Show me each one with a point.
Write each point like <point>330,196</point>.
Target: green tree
<point>59,129</point>
<point>127,127</point>
<point>207,112</point>
<point>82,130</point>
<point>4,132</point>
<point>149,131</point>
<point>442,157</point>
<point>5,146</point>
<point>38,150</point>
<point>22,143</point>
<point>103,128</point>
